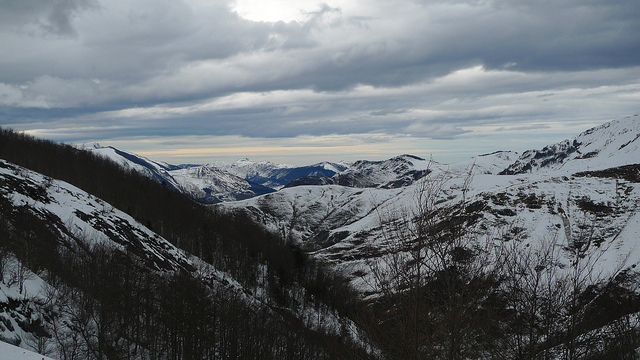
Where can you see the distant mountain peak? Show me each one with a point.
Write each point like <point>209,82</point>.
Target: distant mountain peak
<point>89,145</point>
<point>246,162</point>
<point>410,157</point>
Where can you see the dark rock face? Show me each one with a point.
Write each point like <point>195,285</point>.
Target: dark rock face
<point>387,174</point>
<point>549,155</point>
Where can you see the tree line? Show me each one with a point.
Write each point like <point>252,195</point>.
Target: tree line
<point>183,314</point>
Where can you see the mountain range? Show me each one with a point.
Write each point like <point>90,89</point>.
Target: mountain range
<point>362,239</point>
<point>588,181</point>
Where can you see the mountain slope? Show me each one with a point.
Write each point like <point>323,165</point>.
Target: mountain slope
<point>10,352</point>
<point>274,175</point>
<point>470,262</point>
<point>613,144</point>
<point>202,183</point>
<point>100,264</point>
<point>208,185</point>
<point>404,170</point>
<point>72,211</point>
<point>457,260</point>
<point>340,224</point>
<point>157,171</point>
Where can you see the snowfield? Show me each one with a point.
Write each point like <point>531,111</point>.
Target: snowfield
<point>11,352</point>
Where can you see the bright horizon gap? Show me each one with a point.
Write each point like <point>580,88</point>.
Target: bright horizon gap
<point>204,151</point>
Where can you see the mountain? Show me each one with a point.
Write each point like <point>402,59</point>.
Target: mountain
<point>158,171</point>
<point>73,213</point>
<point>274,175</point>
<point>209,185</point>
<point>403,171</point>
<point>613,144</point>
<point>340,222</point>
<point>557,226</point>
<point>320,216</point>
<point>242,179</point>
<point>51,229</point>
<point>396,172</point>
<point>79,278</point>
<point>504,255</point>
<point>204,184</point>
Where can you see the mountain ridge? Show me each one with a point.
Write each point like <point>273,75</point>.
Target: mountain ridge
<point>608,145</point>
<point>571,217</point>
<point>332,220</point>
<point>65,225</point>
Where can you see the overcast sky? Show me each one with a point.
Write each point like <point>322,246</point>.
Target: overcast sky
<point>300,81</point>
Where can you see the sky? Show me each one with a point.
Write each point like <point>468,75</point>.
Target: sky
<point>195,81</point>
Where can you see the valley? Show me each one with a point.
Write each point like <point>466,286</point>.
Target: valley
<point>505,255</point>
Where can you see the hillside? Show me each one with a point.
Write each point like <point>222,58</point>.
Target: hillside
<point>274,175</point>
<point>505,255</point>
<point>570,208</point>
<point>82,279</point>
<point>243,179</point>
<point>209,185</point>
<point>203,183</point>
<point>340,221</point>
<point>157,171</point>
<point>610,145</point>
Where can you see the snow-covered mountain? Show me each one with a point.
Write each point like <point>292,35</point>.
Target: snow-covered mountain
<point>396,172</point>
<point>613,144</point>
<point>566,215</point>
<point>204,183</point>
<point>404,170</point>
<point>348,226</point>
<point>74,213</point>
<point>75,218</point>
<point>61,218</point>
<point>275,175</point>
<point>61,214</point>
<point>158,171</point>
<point>221,182</point>
<point>209,185</point>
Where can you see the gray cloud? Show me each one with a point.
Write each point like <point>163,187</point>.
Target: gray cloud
<point>47,16</point>
<point>431,69</point>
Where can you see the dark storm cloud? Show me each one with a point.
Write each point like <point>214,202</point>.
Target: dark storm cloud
<point>522,36</point>
<point>423,68</point>
<point>157,39</point>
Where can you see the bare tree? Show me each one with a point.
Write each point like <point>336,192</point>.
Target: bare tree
<point>533,288</point>
<point>435,281</point>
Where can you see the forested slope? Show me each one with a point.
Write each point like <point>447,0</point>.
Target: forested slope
<point>116,289</point>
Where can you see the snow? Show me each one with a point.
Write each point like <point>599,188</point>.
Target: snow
<point>33,289</point>
<point>245,168</point>
<point>612,144</point>
<point>209,184</point>
<point>152,169</point>
<point>77,211</point>
<point>11,352</point>
<point>340,224</point>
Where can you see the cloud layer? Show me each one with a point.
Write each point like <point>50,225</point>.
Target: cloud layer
<point>418,72</point>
